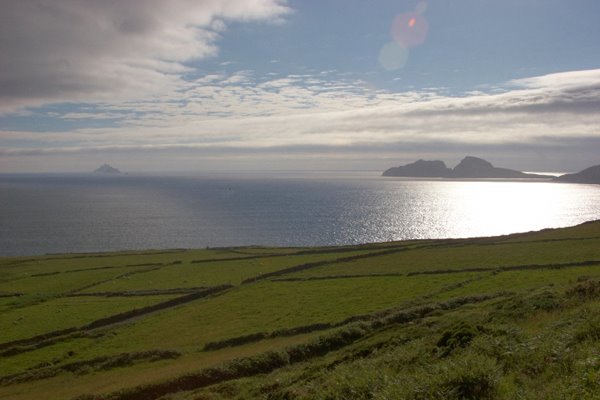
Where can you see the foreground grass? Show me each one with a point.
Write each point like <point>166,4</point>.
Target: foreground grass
<point>494,318</point>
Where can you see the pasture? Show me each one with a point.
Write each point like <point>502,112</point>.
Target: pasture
<point>495,318</point>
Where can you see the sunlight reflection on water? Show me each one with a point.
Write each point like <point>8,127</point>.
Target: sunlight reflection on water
<point>466,209</point>
<point>74,214</point>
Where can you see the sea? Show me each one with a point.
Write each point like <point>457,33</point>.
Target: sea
<point>67,213</point>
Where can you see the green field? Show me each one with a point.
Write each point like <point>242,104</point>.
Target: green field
<point>509,317</point>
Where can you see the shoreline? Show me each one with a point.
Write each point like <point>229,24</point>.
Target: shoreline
<point>157,251</point>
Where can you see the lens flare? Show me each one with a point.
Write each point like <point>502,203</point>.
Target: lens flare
<point>392,56</point>
<point>409,29</point>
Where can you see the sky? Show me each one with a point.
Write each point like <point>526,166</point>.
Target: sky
<point>251,85</point>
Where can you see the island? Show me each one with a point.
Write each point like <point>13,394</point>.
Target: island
<point>469,168</point>
<point>473,167</point>
<point>421,169</point>
<point>588,175</point>
<point>107,169</point>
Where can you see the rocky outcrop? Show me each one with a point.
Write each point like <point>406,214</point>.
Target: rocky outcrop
<point>473,167</point>
<point>107,169</point>
<point>469,167</point>
<point>421,169</point>
<point>588,175</point>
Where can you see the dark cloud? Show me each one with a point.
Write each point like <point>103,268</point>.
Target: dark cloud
<point>86,50</point>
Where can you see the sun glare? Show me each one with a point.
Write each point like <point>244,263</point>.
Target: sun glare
<point>409,29</point>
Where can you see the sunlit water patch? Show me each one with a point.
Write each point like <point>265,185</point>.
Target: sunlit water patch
<point>48,214</point>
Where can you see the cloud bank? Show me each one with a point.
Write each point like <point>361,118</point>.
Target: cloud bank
<point>238,111</point>
<point>129,69</point>
<point>89,51</point>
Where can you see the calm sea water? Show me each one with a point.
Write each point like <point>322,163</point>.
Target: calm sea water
<point>83,213</point>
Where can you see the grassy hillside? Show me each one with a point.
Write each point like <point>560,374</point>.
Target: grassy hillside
<point>505,317</point>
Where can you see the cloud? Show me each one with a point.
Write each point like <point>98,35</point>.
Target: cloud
<point>548,155</point>
<point>98,51</point>
<point>309,110</point>
<point>224,115</point>
<point>562,80</point>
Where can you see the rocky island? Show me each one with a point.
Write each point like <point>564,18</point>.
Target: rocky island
<point>107,169</point>
<point>421,169</point>
<point>473,167</point>
<point>588,175</point>
<point>469,167</point>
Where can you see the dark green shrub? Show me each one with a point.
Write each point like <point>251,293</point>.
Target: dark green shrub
<point>585,290</point>
<point>325,344</point>
<point>470,386</point>
<point>358,381</point>
<point>546,301</point>
<point>589,330</point>
<point>284,395</point>
<point>471,377</point>
<point>236,341</point>
<point>261,363</point>
<point>520,307</point>
<point>459,335</point>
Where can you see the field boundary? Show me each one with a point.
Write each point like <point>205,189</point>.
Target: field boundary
<point>270,361</point>
<point>30,343</point>
<point>87,366</point>
<point>320,326</point>
<point>587,263</point>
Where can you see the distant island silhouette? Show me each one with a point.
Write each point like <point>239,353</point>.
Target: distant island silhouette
<point>588,175</point>
<point>106,169</point>
<point>478,168</point>
<point>469,167</point>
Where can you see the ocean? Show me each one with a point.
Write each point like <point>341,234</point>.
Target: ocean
<point>42,214</point>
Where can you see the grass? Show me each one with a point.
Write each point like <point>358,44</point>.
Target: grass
<point>62,313</point>
<point>22,267</point>
<point>249,311</point>
<point>460,255</point>
<point>65,283</point>
<point>211,273</point>
<point>486,318</point>
<point>520,281</point>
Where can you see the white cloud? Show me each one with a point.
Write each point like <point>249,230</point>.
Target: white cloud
<point>304,114</point>
<point>90,51</point>
<point>561,80</point>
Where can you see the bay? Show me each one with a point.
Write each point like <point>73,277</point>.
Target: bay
<point>88,213</point>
